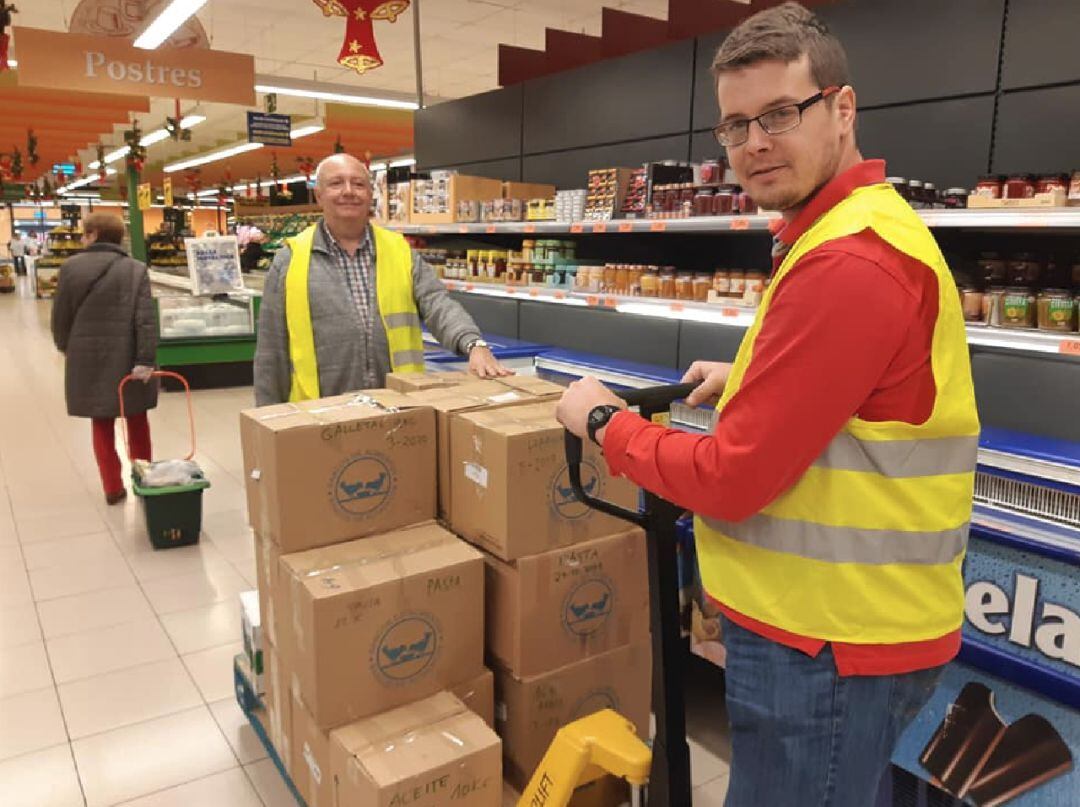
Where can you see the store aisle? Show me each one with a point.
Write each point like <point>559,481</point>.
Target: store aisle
<point>115,660</point>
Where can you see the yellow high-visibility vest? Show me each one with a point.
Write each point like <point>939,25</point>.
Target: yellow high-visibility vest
<point>397,307</point>
<point>867,546</point>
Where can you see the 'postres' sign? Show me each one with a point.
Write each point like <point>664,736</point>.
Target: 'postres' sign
<point>111,65</point>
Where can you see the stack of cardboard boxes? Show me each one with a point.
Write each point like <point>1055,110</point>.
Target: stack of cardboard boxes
<point>373,615</point>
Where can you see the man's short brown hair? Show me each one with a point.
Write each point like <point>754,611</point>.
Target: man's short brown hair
<point>108,226</point>
<point>784,33</point>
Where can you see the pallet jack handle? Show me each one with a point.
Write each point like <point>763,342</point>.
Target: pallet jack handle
<point>669,774</point>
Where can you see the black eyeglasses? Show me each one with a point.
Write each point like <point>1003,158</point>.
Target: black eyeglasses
<point>774,122</point>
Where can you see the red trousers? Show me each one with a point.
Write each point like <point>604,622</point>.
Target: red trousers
<point>105,448</point>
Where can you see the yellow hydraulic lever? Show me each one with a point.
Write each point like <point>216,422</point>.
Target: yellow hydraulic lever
<point>604,742</point>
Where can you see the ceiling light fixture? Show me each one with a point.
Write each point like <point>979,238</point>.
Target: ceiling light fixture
<point>240,148</point>
<point>403,163</point>
<point>174,15</point>
<point>339,97</point>
<point>155,136</point>
<point>81,183</point>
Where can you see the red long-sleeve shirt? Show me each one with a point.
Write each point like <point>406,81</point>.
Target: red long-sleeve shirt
<point>848,333</point>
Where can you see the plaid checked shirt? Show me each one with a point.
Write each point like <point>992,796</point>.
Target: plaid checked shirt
<point>359,272</point>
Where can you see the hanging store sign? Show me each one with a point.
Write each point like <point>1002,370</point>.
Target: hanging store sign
<point>167,191</point>
<point>111,65</point>
<point>146,196</point>
<point>270,130</point>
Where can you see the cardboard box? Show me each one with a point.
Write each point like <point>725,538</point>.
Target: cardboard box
<point>251,626</point>
<point>278,705</point>
<point>546,611</point>
<point>527,190</point>
<point>379,622</point>
<point>510,484</point>
<point>459,188</point>
<point>427,754</point>
<point>321,472</point>
<point>418,382</point>
<point>266,576</point>
<point>529,711</point>
<point>465,398</point>
<point>311,745</point>
<point>534,385</point>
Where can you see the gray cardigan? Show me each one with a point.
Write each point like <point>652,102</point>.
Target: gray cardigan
<point>336,325</point>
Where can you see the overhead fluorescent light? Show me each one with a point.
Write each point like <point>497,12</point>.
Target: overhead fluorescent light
<point>338,97</point>
<point>155,136</point>
<point>403,163</point>
<point>213,156</point>
<point>174,15</point>
<point>304,131</point>
<point>81,183</point>
<point>12,63</point>
<point>191,120</point>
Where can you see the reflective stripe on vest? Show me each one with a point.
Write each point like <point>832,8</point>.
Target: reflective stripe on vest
<point>397,307</point>
<point>866,547</point>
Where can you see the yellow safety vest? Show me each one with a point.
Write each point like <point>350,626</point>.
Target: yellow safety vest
<point>866,547</point>
<point>397,307</point>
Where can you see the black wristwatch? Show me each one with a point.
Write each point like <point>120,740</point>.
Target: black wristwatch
<point>599,417</point>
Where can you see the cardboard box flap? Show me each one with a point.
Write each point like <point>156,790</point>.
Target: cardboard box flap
<point>534,385</point>
<point>397,745</point>
<point>518,419</point>
<point>414,382</point>
<point>337,409</point>
<point>413,550</point>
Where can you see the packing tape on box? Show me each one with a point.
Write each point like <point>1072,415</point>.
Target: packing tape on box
<point>358,400</point>
<point>427,725</point>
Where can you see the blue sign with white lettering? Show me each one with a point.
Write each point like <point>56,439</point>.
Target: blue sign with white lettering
<point>271,130</point>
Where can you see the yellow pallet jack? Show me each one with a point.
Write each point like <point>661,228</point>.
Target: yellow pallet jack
<point>606,742</point>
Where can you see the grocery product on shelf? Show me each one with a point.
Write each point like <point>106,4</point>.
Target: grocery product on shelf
<point>570,205</point>
<point>165,253</point>
<point>607,189</point>
<point>63,242</point>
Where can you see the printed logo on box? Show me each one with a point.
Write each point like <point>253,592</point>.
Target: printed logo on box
<point>563,500</point>
<point>363,485</point>
<point>596,700</point>
<point>587,607</point>
<point>406,648</point>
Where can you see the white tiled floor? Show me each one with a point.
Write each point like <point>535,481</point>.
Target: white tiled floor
<point>116,660</point>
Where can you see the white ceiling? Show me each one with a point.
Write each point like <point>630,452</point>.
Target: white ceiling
<point>292,38</point>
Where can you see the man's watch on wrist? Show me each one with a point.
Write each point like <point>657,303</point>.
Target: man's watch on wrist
<point>599,417</point>
<point>475,343</point>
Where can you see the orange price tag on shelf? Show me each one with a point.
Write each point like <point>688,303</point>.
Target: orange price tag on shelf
<point>450,284</point>
<point>511,290</point>
<point>729,312</point>
<point>592,300</point>
<point>560,295</point>
<point>658,226</point>
<point>610,302</point>
<point>600,227</point>
<point>677,307</point>
<point>626,226</point>
<point>468,287</point>
<point>740,223</point>
<point>463,228</point>
<point>534,292</point>
<point>1070,347</point>
<point>577,227</point>
<point>431,229</point>
<point>490,228</point>
<point>530,228</point>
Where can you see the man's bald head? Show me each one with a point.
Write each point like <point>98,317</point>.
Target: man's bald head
<point>345,161</point>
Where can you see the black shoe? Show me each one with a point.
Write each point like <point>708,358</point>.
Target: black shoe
<point>115,498</point>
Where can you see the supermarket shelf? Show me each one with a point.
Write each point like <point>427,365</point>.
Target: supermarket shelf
<point>1065,345</point>
<point>1064,218</point>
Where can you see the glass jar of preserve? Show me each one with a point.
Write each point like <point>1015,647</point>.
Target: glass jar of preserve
<point>650,282</point>
<point>667,283</point>
<point>755,287</point>
<point>703,203</point>
<point>633,280</point>
<point>711,172</point>
<point>738,284</point>
<point>1020,186</point>
<point>1024,270</point>
<point>1048,183</point>
<point>722,282</point>
<point>1056,311</point>
<point>971,300</point>
<point>916,194</point>
<point>1018,308</point>
<point>684,286</point>
<point>899,185</point>
<point>992,267</point>
<point>539,272</point>
<point>955,198</point>
<point>527,247</point>
<point>597,276</point>
<point>746,204</point>
<point>724,200</point>
<point>703,283</point>
<point>1074,186</point>
<point>930,195</point>
<point>622,279</point>
<point>607,282</point>
<point>990,186</point>
<point>991,305</point>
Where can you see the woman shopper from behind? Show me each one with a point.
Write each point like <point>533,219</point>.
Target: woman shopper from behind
<point>103,322</point>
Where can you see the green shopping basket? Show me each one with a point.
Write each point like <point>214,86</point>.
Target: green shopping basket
<point>173,514</point>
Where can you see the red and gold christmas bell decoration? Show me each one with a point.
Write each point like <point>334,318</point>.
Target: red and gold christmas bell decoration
<point>6,12</point>
<point>306,166</point>
<point>359,51</point>
<point>193,180</point>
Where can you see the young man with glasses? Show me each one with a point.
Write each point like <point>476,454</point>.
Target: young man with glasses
<point>834,495</point>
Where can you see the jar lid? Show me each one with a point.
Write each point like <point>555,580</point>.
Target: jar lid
<point>915,183</point>
<point>1023,256</point>
<point>1056,292</point>
<point>957,192</point>
<point>1054,175</point>
<point>896,180</point>
<point>930,186</point>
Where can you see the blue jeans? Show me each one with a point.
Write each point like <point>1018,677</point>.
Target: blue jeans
<point>801,735</point>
